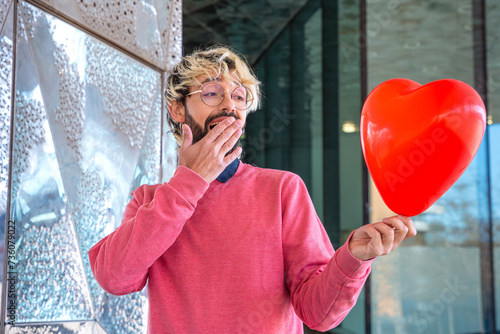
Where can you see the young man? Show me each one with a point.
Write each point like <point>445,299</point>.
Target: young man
<point>224,246</point>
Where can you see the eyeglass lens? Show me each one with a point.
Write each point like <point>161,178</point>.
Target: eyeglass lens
<point>213,95</point>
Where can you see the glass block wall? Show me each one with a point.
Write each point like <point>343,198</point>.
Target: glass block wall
<point>81,127</point>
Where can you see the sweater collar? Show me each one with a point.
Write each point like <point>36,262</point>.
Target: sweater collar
<point>229,171</point>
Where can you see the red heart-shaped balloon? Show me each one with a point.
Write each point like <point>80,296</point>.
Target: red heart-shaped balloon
<point>418,140</point>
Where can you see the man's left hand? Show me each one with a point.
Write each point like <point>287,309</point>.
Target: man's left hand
<point>372,240</point>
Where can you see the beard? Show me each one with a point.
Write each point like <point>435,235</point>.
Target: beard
<point>199,132</point>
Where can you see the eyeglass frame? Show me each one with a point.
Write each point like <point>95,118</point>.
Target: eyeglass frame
<point>223,95</point>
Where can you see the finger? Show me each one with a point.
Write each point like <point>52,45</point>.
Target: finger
<point>227,135</point>
<point>373,233</point>
<point>412,230</point>
<point>187,136</point>
<point>397,224</point>
<point>410,227</point>
<point>219,129</point>
<point>399,228</point>
<point>233,155</point>
<point>229,144</point>
<point>386,235</point>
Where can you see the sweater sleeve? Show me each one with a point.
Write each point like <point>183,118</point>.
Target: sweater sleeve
<point>152,221</point>
<point>324,284</point>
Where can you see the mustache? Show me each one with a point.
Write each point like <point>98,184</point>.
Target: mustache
<point>221,114</point>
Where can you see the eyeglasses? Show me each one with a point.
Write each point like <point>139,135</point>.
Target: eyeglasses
<point>212,94</point>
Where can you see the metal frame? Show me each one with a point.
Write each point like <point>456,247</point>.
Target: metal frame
<point>366,189</point>
<point>484,182</point>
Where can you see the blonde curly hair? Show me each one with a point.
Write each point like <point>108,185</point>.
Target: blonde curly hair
<point>214,62</point>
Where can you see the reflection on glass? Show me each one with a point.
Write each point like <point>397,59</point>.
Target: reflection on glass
<point>314,101</point>
<point>131,24</point>
<point>148,167</point>
<point>169,153</point>
<point>4,10</point>
<point>409,40</point>
<point>350,156</point>
<point>50,282</point>
<point>494,134</point>
<point>350,159</point>
<point>87,131</point>
<point>170,25</point>
<point>493,61</point>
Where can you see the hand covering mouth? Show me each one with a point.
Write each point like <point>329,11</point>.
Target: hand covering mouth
<point>217,120</point>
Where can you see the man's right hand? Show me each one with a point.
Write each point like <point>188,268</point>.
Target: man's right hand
<point>208,157</point>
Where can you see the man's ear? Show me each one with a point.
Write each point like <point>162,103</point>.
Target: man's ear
<point>177,111</point>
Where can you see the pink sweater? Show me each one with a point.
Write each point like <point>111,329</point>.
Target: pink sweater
<point>246,256</point>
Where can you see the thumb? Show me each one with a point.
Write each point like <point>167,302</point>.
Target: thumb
<point>187,136</point>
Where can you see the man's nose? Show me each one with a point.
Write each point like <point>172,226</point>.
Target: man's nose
<point>227,102</point>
